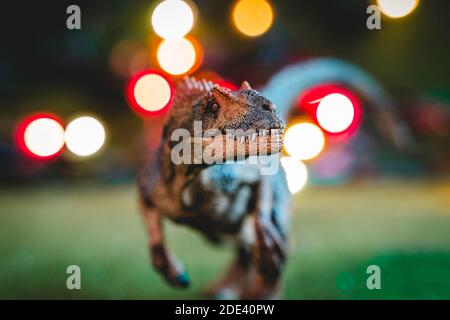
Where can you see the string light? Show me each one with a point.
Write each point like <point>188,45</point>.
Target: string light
<point>397,8</point>
<point>296,173</point>
<point>335,113</point>
<point>40,136</point>
<point>303,141</point>
<point>172,19</point>
<point>336,109</point>
<point>177,56</point>
<point>149,93</point>
<point>85,136</point>
<point>253,17</point>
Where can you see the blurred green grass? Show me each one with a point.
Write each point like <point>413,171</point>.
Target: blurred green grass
<point>402,226</point>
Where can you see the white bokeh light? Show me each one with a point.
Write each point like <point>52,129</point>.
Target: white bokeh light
<point>303,141</point>
<point>335,113</point>
<point>44,137</point>
<point>296,173</point>
<point>397,8</point>
<point>152,92</point>
<point>176,56</point>
<point>172,19</point>
<point>85,136</point>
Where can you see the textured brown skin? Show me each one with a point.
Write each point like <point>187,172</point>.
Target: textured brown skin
<point>254,274</point>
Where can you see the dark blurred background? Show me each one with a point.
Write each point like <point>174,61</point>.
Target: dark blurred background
<point>82,211</point>
<point>45,67</point>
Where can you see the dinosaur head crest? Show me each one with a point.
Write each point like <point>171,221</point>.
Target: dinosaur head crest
<point>224,97</point>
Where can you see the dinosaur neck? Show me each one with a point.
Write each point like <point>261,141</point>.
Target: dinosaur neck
<point>171,170</point>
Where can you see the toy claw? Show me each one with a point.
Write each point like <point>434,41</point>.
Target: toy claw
<point>183,280</point>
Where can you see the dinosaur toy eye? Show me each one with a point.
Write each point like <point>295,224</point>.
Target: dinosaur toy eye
<point>267,107</point>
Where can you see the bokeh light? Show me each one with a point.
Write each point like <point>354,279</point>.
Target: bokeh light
<point>296,173</point>
<point>335,113</point>
<point>253,17</point>
<point>227,84</point>
<point>215,78</point>
<point>149,92</point>
<point>172,19</point>
<point>397,8</point>
<point>40,136</point>
<point>152,92</point>
<point>303,141</point>
<point>177,56</point>
<point>85,136</point>
<point>334,108</point>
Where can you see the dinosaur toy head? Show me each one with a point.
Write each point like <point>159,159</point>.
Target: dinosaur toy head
<point>242,122</point>
<point>234,124</point>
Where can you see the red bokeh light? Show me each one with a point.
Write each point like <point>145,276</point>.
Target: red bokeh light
<point>310,99</point>
<point>226,84</point>
<point>19,136</point>
<point>130,95</point>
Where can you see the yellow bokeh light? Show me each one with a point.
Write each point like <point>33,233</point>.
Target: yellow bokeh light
<point>253,17</point>
<point>335,113</point>
<point>152,92</point>
<point>85,136</point>
<point>172,19</point>
<point>296,173</point>
<point>397,8</point>
<point>44,137</point>
<point>303,141</point>
<point>176,56</point>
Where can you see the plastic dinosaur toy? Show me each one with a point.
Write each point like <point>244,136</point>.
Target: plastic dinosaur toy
<point>221,200</point>
<point>235,201</point>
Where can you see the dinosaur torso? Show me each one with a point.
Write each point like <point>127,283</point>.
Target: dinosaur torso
<point>214,200</point>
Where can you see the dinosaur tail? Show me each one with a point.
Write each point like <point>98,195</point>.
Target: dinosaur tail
<point>285,86</point>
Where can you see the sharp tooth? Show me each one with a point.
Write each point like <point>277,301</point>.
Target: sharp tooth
<point>242,139</point>
<point>264,132</point>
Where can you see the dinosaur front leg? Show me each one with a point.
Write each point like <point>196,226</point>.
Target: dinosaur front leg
<point>163,261</point>
<point>270,246</point>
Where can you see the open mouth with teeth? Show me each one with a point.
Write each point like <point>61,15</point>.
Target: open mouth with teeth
<point>238,146</point>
